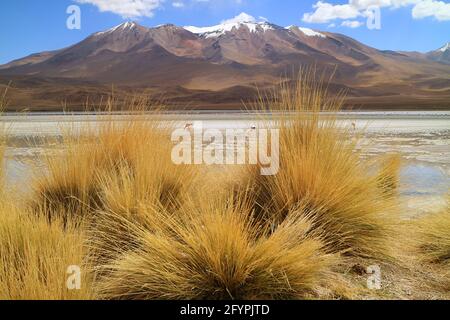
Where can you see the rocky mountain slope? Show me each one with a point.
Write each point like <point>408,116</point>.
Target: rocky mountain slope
<point>219,66</point>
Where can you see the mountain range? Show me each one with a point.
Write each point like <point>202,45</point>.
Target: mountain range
<point>218,67</point>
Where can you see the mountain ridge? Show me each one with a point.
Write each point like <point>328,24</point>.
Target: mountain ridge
<point>216,59</point>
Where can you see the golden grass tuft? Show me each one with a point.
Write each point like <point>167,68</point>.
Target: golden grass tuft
<point>434,237</point>
<point>322,172</point>
<point>118,164</point>
<point>213,251</point>
<point>35,257</point>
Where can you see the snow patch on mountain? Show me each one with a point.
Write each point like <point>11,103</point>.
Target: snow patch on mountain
<point>221,29</point>
<point>123,26</point>
<point>445,48</point>
<point>308,32</point>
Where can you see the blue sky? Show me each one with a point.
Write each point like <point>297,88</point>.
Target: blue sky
<point>33,26</point>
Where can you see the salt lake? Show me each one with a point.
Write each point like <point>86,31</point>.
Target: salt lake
<point>422,138</point>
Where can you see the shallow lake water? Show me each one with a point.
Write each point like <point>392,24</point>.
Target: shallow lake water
<point>421,138</point>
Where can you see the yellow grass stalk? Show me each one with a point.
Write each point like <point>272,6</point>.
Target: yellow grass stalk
<point>35,258</point>
<point>389,174</point>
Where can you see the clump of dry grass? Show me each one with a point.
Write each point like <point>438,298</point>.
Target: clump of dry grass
<point>212,250</point>
<point>434,237</point>
<point>35,257</point>
<point>131,157</point>
<point>129,197</point>
<point>423,249</point>
<point>322,172</point>
<point>277,237</point>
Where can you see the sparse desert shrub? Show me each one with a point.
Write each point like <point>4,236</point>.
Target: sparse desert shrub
<point>322,172</point>
<point>35,257</point>
<point>213,251</point>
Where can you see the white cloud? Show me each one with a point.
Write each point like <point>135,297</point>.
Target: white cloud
<point>352,23</point>
<point>326,12</point>
<point>364,4</point>
<point>437,9</point>
<point>178,4</point>
<point>126,8</point>
<point>228,1</point>
<point>143,8</point>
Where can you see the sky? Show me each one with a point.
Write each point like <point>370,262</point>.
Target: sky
<point>28,27</point>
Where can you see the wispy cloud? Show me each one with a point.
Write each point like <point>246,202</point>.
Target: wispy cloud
<point>325,12</point>
<point>437,9</point>
<point>126,8</point>
<point>352,24</point>
<point>178,4</point>
<point>146,8</point>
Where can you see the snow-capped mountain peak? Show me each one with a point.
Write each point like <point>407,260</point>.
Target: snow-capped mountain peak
<point>218,30</point>
<point>128,25</point>
<point>121,27</point>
